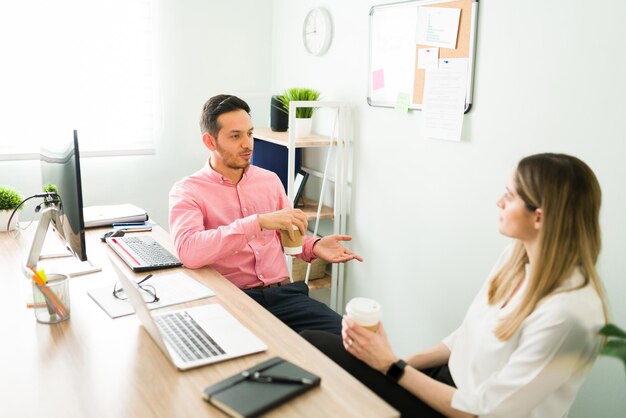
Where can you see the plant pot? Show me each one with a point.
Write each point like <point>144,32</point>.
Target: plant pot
<point>279,120</point>
<point>303,127</point>
<point>4,218</point>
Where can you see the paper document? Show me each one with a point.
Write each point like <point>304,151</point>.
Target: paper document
<point>427,58</point>
<point>438,26</point>
<point>108,214</point>
<point>444,100</point>
<point>172,289</point>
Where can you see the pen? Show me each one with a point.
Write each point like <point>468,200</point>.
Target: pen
<point>51,299</point>
<point>265,378</point>
<point>44,278</point>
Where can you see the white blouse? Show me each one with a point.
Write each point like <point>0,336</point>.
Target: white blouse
<point>538,371</point>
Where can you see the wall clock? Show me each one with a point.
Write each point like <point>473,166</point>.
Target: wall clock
<point>317,31</point>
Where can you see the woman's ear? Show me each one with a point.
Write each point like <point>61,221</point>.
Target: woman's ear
<point>209,141</point>
<point>538,218</point>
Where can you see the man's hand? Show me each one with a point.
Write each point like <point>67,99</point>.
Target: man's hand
<point>329,249</point>
<point>284,220</point>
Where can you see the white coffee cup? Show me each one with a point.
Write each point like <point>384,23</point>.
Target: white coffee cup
<point>365,312</point>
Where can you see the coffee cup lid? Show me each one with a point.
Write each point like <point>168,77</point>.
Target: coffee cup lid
<point>365,311</point>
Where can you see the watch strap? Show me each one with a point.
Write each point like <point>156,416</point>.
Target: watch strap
<point>396,370</point>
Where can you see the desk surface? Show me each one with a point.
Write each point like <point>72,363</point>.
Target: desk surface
<point>92,365</point>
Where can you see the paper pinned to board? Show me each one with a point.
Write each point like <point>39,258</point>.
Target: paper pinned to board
<point>172,289</point>
<point>438,26</point>
<point>427,58</point>
<point>444,100</point>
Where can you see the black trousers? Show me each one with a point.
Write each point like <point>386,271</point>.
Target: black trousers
<point>395,395</point>
<point>291,304</point>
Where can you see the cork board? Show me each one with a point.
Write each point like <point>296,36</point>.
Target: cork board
<point>393,64</point>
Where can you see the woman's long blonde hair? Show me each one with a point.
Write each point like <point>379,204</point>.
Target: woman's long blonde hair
<point>568,193</point>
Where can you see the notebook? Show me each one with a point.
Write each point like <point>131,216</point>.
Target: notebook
<point>261,388</point>
<point>142,252</point>
<point>191,337</point>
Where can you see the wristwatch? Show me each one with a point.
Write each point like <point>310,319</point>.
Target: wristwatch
<point>396,370</point>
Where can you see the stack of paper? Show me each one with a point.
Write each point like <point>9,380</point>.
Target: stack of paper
<point>108,214</point>
<point>172,289</point>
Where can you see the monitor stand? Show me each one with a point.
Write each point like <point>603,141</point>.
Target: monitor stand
<point>59,260</point>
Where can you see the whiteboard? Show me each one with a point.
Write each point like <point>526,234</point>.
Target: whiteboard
<point>392,65</point>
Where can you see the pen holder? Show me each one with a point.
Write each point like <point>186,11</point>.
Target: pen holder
<point>51,302</point>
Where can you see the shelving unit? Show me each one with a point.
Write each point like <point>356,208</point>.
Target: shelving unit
<point>338,140</point>
<point>310,210</point>
<point>282,138</point>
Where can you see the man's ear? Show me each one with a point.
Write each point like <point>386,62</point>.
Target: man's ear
<point>538,218</point>
<point>209,141</point>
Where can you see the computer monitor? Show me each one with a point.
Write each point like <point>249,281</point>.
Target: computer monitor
<point>61,168</point>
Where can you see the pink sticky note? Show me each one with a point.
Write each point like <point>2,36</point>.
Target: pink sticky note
<point>378,79</point>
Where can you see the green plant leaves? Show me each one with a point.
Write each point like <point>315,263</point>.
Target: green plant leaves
<point>612,330</point>
<point>615,346</point>
<point>50,188</point>
<point>9,198</point>
<point>298,94</point>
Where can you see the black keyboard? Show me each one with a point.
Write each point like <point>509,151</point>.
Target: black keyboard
<point>190,341</point>
<point>142,252</point>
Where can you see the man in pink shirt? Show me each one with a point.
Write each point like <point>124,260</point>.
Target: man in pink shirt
<point>228,215</point>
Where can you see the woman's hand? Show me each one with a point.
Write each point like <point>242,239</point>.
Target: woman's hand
<point>370,347</point>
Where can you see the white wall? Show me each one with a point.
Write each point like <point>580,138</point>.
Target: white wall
<point>202,48</point>
<point>549,77</point>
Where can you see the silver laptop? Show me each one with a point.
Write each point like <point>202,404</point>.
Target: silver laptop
<point>191,337</point>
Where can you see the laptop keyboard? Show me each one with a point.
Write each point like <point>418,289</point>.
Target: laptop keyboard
<point>152,255</point>
<point>186,337</point>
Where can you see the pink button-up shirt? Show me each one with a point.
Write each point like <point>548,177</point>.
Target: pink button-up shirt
<point>214,222</point>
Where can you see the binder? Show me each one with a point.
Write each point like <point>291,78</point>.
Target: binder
<point>261,388</point>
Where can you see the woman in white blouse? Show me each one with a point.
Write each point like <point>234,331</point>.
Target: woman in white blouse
<point>530,335</point>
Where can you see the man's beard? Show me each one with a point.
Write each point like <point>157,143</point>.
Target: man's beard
<point>235,166</point>
<point>230,161</point>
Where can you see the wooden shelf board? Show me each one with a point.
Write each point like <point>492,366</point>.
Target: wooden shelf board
<point>282,138</point>
<point>310,210</point>
<point>321,283</point>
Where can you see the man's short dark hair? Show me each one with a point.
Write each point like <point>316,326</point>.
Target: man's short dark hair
<point>215,106</point>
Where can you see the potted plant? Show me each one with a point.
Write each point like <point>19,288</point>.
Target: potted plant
<point>615,345</point>
<point>303,114</point>
<point>50,188</point>
<point>9,201</point>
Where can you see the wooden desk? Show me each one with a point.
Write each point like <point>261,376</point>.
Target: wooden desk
<point>95,366</point>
